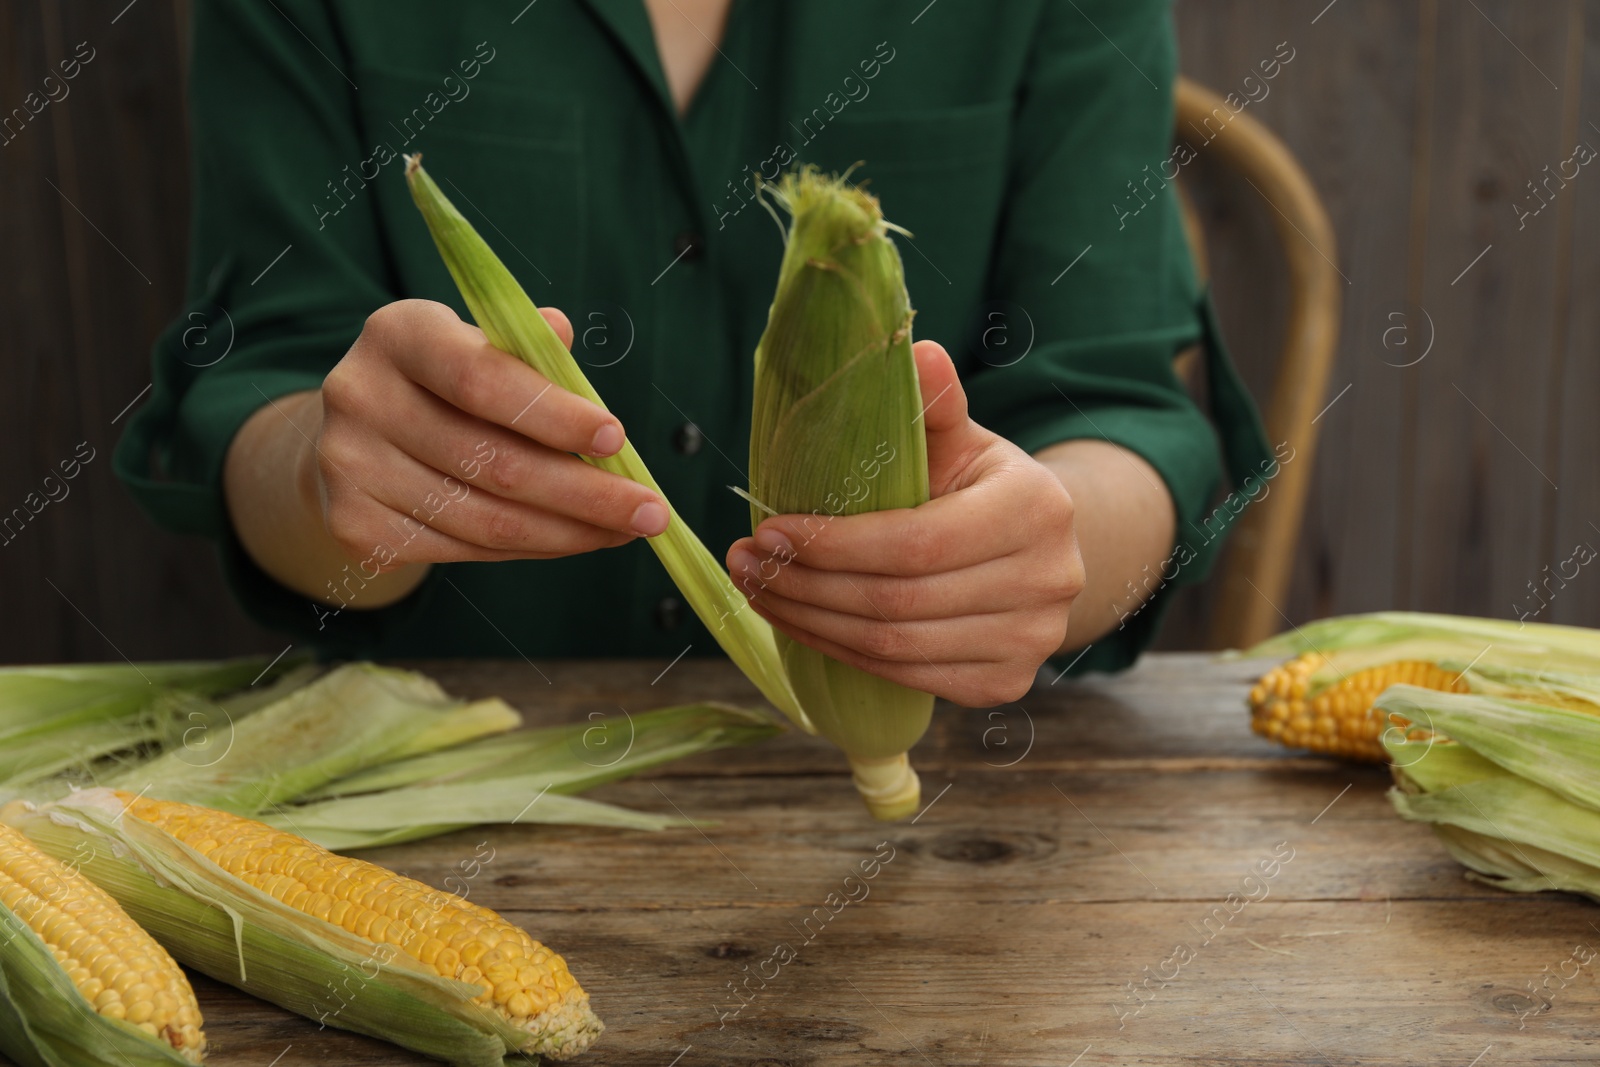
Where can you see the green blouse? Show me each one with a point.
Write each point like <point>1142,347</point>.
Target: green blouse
<point>1025,144</point>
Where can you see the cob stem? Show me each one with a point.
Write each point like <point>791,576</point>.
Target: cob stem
<point>889,787</point>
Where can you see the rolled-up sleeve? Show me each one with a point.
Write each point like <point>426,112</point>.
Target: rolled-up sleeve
<point>1092,260</point>
<point>278,289</point>
<point>286,263</point>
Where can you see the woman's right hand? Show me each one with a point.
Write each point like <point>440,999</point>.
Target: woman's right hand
<point>426,444</point>
<point>423,420</point>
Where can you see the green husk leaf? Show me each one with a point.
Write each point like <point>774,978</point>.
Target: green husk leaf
<point>1555,747</point>
<point>1532,645</point>
<point>353,717</point>
<point>1508,831</point>
<point>58,717</point>
<point>46,1022</point>
<point>411,813</point>
<point>1516,868</point>
<point>468,722</point>
<point>47,698</point>
<point>54,764</point>
<point>1576,692</point>
<point>573,757</point>
<point>519,777</point>
<point>1512,809</point>
<point>512,323</point>
<point>1430,764</point>
<point>79,749</point>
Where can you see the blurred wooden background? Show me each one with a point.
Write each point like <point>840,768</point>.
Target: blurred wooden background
<point>1450,484</point>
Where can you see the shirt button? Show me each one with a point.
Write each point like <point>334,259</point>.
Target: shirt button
<point>688,245</point>
<point>668,613</point>
<point>687,438</point>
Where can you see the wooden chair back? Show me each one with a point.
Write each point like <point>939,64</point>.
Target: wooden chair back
<point>1258,563</point>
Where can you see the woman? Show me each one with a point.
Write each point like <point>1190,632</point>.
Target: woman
<point>383,483</point>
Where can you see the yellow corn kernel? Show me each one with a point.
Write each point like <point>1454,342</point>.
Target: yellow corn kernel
<point>1339,720</point>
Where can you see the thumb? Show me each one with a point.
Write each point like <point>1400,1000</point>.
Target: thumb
<point>559,323</point>
<point>951,433</point>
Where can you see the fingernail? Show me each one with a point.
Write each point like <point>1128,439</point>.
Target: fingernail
<point>742,561</point>
<point>649,519</point>
<point>608,441</point>
<point>774,543</point>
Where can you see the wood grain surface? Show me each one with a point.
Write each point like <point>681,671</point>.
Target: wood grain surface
<point>1069,843</point>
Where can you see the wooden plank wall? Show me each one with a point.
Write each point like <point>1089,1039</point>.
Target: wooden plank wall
<point>1446,485</point>
<point>92,254</point>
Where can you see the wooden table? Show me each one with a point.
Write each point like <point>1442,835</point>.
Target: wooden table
<point>1070,844</point>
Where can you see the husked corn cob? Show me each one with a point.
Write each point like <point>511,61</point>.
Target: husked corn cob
<point>1338,718</point>
<point>118,969</point>
<point>528,985</point>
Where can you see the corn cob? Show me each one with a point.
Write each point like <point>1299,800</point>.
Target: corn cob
<point>138,997</point>
<point>861,291</point>
<point>1288,706</point>
<point>287,920</point>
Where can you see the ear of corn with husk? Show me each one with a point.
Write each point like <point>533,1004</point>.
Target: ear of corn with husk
<point>836,430</point>
<point>387,756</point>
<point>1323,697</point>
<point>81,984</point>
<point>336,939</point>
<point>1491,728</point>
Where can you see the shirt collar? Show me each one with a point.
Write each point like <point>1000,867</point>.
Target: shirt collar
<point>629,24</point>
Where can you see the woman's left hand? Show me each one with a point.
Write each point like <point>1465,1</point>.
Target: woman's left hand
<point>963,597</point>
